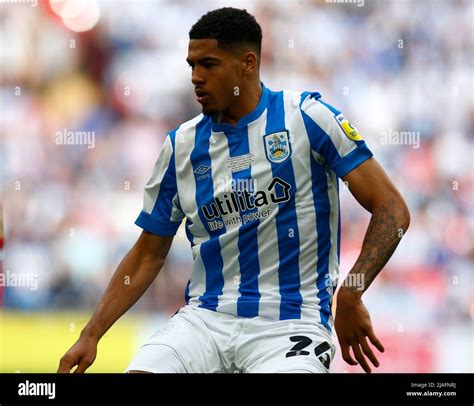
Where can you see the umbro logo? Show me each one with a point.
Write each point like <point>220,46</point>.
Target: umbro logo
<point>202,172</point>
<point>202,169</point>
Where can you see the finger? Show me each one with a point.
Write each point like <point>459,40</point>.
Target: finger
<point>375,341</point>
<point>368,352</point>
<point>346,356</point>
<point>360,357</point>
<point>65,365</point>
<point>81,368</point>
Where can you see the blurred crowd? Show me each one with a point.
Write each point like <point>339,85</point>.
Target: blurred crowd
<point>401,71</point>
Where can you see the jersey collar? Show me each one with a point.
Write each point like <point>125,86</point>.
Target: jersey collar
<point>248,118</point>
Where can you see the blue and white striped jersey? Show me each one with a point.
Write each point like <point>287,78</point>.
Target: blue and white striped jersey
<point>261,203</point>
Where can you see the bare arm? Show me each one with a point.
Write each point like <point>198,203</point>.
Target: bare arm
<point>133,276</point>
<point>390,219</point>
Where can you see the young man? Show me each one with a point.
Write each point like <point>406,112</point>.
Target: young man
<point>256,177</point>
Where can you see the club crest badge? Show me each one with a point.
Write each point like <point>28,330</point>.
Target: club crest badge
<point>277,146</point>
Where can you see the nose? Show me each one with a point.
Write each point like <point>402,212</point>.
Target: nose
<point>197,77</point>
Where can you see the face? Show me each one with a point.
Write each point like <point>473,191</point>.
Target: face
<point>215,74</point>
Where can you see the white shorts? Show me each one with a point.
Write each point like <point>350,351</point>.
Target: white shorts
<point>198,340</point>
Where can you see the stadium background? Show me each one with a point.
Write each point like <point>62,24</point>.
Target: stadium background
<point>117,69</point>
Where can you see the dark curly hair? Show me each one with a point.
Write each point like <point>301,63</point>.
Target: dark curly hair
<point>231,27</point>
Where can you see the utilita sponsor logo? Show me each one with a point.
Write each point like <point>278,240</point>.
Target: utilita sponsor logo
<point>243,200</point>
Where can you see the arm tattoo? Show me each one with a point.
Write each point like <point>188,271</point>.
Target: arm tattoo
<point>382,237</point>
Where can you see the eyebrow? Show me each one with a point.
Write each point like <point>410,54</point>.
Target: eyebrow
<point>203,60</point>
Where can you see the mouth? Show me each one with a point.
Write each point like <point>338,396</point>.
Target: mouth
<point>201,96</point>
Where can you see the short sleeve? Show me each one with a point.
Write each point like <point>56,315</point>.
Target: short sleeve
<point>332,138</point>
<point>161,214</point>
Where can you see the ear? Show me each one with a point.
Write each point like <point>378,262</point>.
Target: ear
<point>249,63</point>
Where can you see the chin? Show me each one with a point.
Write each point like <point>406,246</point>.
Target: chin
<point>208,111</point>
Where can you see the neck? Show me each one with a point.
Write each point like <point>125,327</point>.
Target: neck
<point>248,101</point>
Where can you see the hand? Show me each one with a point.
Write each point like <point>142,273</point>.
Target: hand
<point>353,326</point>
<point>82,354</point>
